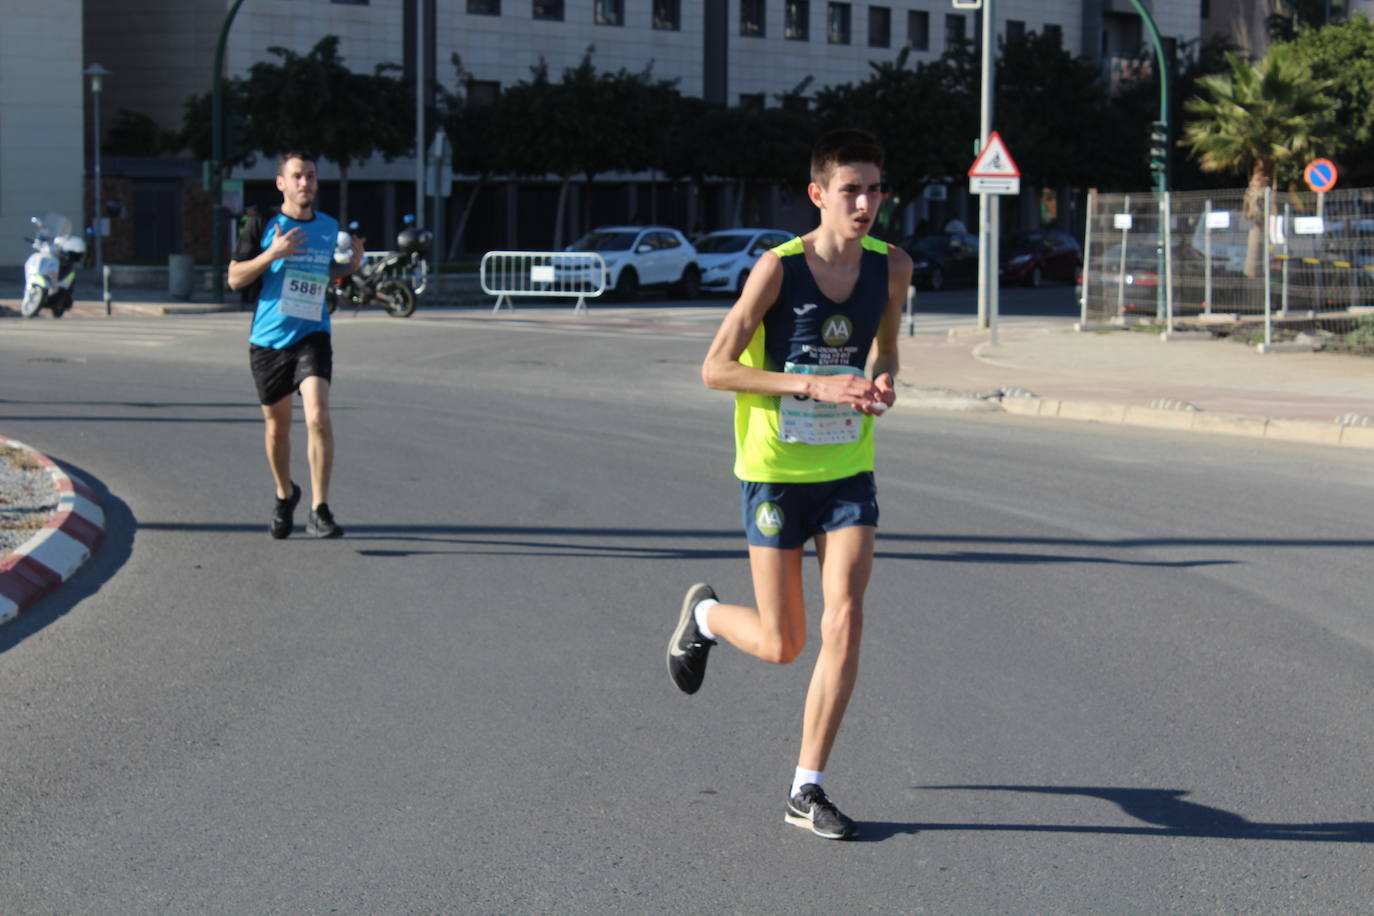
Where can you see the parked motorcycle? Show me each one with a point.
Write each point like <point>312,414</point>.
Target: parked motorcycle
<point>50,272</point>
<point>388,280</point>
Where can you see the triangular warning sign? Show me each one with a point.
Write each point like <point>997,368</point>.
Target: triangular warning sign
<point>994,161</point>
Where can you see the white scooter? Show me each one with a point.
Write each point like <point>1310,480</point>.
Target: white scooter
<point>50,272</point>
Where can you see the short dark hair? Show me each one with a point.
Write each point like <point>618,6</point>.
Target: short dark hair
<point>293,154</point>
<point>847,145</point>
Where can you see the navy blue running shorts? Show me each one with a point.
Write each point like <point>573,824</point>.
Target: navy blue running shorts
<point>279,373</point>
<point>786,515</point>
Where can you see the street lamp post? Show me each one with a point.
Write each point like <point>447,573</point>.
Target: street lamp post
<point>97,74</point>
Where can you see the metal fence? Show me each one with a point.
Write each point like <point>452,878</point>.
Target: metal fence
<point>579,274</point>
<point>1290,255</point>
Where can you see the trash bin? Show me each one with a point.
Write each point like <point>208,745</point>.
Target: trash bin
<point>181,275</point>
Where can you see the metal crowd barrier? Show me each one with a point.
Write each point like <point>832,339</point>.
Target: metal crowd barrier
<point>580,274</point>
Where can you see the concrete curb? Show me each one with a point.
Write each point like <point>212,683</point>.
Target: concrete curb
<point>1333,433</point>
<point>51,556</point>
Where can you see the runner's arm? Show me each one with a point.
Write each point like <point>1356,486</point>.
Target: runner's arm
<point>283,245</point>
<point>885,362</point>
<point>722,369</point>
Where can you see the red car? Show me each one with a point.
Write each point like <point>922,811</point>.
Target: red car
<point>1033,257</point>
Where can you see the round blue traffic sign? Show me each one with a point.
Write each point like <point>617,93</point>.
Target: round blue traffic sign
<point>1320,175</point>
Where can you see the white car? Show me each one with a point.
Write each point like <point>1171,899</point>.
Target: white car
<point>727,256</point>
<point>639,256</point>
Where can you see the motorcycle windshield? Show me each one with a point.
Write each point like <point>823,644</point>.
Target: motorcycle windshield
<point>55,224</point>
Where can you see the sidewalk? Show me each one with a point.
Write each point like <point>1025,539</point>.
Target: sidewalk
<point>1193,383</point>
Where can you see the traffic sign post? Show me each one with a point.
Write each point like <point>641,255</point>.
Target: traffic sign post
<point>993,173</point>
<point>1320,175</point>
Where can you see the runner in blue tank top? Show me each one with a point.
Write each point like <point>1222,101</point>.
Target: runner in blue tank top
<point>289,345</point>
<point>794,348</point>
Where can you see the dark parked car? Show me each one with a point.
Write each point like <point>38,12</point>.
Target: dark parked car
<point>943,260</point>
<point>1033,257</point>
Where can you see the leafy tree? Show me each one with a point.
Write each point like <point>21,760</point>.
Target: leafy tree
<point>196,127</point>
<point>479,138</point>
<point>1258,120</point>
<point>313,102</point>
<point>926,116</point>
<point>588,124</point>
<point>1343,54</point>
<point>133,133</point>
<point>1285,25</point>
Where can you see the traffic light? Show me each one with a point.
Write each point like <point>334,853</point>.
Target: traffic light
<point>1159,146</point>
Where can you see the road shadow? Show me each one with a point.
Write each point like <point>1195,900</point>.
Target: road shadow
<point>115,548</point>
<point>1162,812</point>
<point>552,540</point>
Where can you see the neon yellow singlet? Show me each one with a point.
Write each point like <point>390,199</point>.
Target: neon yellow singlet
<point>806,332</point>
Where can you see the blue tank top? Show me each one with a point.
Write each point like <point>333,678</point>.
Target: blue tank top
<point>292,303</point>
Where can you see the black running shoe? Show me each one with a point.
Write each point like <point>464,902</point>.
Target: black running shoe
<point>322,523</point>
<point>810,809</point>
<point>688,648</point>
<point>283,516</point>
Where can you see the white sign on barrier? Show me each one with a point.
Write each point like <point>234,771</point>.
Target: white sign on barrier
<point>1219,219</point>
<point>1308,225</point>
<point>1121,221</point>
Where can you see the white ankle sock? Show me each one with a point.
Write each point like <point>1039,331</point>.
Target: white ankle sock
<point>803,777</point>
<point>699,612</point>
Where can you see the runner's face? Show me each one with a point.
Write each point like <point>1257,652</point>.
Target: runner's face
<point>297,182</point>
<point>850,203</point>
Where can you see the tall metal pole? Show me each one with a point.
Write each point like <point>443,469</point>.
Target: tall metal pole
<point>1161,176</point>
<point>419,113</point>
<point>97,74</point>
<point>217,156</point>
<point>987,203</point>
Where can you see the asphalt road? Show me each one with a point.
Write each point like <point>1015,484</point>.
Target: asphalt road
<point>1106,670</point>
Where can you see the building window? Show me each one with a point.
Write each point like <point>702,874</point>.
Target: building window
<point>1206,9</point>
<point>918,30</point>
<point>1055,33</point>
<point>1016,30</point>
<point>879,27</point>
<point>797,20</point>
<point>837,24</point>
<point>956,30</point>
<point>482,93</point>
<point>751,21</point>
<point>751,101</point>
<point>667,15</point>
<point>548,9</point>
<point>609,12</point>
<point>485,7</point>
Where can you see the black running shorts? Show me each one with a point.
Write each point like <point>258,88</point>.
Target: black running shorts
<point>279,373</point>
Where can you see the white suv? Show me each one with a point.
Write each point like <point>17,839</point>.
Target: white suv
<point>639,256</point>
<point>727,256</point>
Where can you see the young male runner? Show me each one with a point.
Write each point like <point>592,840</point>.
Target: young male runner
<point>794,348</point>
<point>289,344</point>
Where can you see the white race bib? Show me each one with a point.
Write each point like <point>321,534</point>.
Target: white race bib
<point>302,294</point>
<point>801,419</point>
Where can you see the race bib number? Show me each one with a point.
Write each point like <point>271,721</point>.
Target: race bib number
<point>302,295</point>
<point>800,419</point>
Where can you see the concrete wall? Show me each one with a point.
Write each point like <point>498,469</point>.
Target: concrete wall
<point>41,127</point>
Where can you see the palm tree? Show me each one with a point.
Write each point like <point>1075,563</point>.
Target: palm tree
<point>1259,118</point>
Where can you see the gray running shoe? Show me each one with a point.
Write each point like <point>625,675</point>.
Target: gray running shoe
<point>810,809</point>
<point>688,648</point>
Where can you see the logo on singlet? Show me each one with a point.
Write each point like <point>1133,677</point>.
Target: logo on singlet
<point>768,519</point>
<point>837,330</point>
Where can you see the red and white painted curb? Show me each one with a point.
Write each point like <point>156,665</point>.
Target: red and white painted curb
<point>51,556</point>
